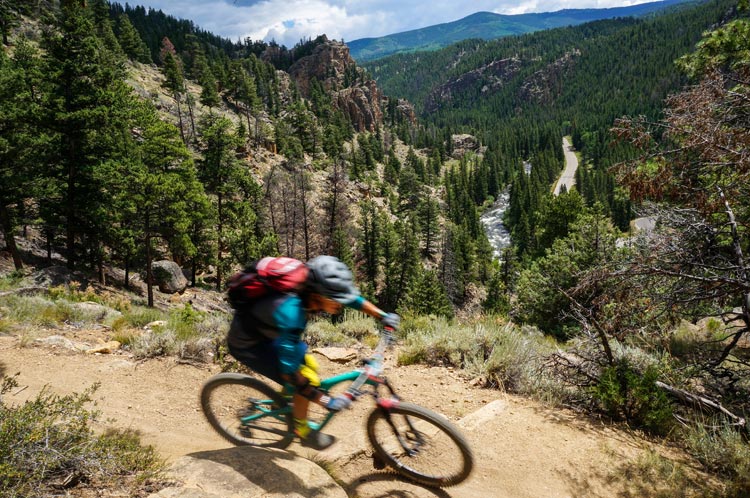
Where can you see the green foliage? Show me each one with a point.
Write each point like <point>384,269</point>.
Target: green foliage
<point>724,451</point>
<point>627,394</point>
<point>503,355</point>
<point>50,438</point>
<point>427,296</point>
<point>542,288</point>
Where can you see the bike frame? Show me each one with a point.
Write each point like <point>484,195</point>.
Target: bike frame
<point>370,375</point>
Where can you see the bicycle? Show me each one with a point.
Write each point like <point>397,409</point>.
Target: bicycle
<point>413,441</point>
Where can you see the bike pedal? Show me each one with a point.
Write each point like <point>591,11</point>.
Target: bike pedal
<point>378,462</point>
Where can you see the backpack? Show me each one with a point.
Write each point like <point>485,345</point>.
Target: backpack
<point>263,277</point>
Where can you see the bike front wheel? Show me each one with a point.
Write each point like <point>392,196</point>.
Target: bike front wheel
<point>420,445</point>
<point>246,411</point>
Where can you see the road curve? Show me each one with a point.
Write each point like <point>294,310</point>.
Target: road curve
<point>568,177</point>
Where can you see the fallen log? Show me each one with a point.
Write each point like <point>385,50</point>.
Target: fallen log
<point>691,399</point>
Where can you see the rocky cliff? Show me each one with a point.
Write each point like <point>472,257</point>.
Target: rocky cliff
<point>490,76</point>
<point>546,84</point>
<point>352,90</point>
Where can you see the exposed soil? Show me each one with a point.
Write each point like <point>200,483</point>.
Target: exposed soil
<point>522,449</point>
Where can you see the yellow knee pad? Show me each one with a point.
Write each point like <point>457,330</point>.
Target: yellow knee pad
<point>309,370</point>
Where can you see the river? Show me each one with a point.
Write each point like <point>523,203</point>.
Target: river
<point>492,219</point>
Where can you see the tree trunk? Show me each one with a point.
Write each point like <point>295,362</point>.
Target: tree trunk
<point>127,273</point>
<point>179,117</point>
<point>10,239</point>
<point>219,245</point>
<point>149,275</point>
<point>49,236</point>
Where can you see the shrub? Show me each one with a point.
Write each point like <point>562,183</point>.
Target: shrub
<point>625,393</point>
<point>500,353</point>
<point>723,451</point>
<point>47,444</point>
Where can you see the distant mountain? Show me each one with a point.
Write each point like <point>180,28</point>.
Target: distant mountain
<point>488,26</point>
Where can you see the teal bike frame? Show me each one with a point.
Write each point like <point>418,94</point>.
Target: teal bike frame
<point>369,375</point>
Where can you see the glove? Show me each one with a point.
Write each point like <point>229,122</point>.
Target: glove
<point>338,403</point>
<point>391,320</point>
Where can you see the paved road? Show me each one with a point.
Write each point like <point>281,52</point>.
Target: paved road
<point>568,177</point>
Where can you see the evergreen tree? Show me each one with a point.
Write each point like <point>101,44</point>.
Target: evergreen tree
<point>131,42</point>
<point>220,173</point>
<point>428,213</point>
<point>162,191</point>
<point>427,296</point>
<point>174,78</point>
<point>87,104</point>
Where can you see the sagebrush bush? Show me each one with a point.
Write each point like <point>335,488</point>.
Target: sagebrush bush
<point>48,441</point>
<point>724,451</point>
<point>186,333</point>
<point>502,354</point>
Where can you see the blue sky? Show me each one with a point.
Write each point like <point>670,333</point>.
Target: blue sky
<point>289,21</point>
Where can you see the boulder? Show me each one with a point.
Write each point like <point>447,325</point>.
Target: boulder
<point>168,276</point>
<point>54,276</point>
<point>98,311</point>
<point>249,473</point>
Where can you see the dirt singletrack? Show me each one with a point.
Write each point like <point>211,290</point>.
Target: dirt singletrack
<point>521,448</point>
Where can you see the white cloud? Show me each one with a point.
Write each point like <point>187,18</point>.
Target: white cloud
<point>288,21</point>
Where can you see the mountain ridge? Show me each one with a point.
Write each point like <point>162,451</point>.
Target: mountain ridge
<point>488,25</point>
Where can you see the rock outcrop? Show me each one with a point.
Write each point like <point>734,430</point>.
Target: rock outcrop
<point>546,84</point>
<point>490,77</point>
<point>249,472</point>
<point>352,91</point>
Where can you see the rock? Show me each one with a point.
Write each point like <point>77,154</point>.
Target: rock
<point>490,76</point>
<point>54,276</point>
<point>249,473</point>
<point>99,311</point>
<point>338,355</point>
<point>152,325</point>
<point>353,92</point>
<point>464,143</point>
<point>168,276</point>
<point>106,348</point>
<point>58,341</point>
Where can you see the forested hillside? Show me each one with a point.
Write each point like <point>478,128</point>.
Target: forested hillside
<point>574,80</point>
<point>488,26</point>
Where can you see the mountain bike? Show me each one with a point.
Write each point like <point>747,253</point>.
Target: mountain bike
<point>415,442</point>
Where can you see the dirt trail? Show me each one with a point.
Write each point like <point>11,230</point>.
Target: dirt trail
<point>521,448</point>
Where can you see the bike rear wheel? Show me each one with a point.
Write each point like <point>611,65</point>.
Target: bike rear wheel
<point>246,411</point>
<point>420,445</point>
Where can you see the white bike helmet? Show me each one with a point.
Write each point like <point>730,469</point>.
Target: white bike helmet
<point>331,278</point>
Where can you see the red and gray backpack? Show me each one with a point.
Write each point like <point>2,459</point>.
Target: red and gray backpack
<point>264,276</point>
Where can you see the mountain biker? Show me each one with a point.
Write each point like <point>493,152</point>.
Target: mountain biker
<point>266,336</point>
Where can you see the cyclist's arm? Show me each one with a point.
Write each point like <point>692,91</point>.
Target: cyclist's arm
<point>366,307</point>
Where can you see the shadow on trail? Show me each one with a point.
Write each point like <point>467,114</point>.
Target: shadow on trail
<point>270,470</point>
<point>401,488</point>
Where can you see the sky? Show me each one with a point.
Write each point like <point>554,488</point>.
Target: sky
<point>289,21</point>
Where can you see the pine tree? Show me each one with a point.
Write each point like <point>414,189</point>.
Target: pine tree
<point>428,213</point>
<point>131,42</point>
<point>427,296</point>
<point>166,191</point>
<point>369,245</point>
<point>174,78</point>
<point>220,172</point>
<point>87,104</point>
